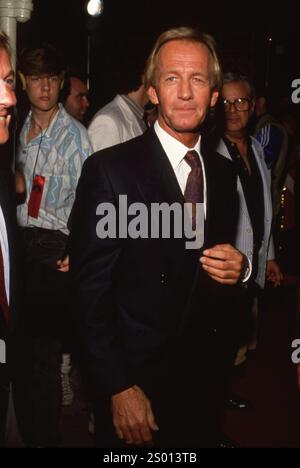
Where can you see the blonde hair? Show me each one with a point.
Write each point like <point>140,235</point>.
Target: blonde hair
<point>184,34</point>
<point>4,42</point>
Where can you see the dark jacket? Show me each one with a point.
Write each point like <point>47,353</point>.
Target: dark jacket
<point>142,299</point>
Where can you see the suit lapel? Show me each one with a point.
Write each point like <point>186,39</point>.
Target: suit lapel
<point>223,151</point>
<point>208,178</point>
<point>157,183</point>
<point>162,186</point>
<point>266,190</point>
<point>5,204</point>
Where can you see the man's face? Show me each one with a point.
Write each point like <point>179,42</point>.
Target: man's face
<point>182,90</point>
<point>236,121</point>
<point>77,102</point>
<point>7,95</point>
<point>43,91</point>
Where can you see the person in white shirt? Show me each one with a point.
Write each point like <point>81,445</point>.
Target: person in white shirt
<point>122,118</point>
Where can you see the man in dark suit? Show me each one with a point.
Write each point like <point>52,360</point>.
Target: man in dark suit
<point>154,314</point>
<point>12,346</point>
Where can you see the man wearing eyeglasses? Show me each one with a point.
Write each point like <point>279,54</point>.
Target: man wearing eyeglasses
<point>255,211</point>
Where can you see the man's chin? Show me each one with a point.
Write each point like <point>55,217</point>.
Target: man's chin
<point>44,106</point>
<point>188,126</point>
<point>4,125</point>
<point>3,137</point>
<point>187,129</point>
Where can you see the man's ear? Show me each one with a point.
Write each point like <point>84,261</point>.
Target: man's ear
<point>252,107</point>
<point>214,98</point>
<point>62,83</point>
<point>152,95</point>
<point>23,80</point>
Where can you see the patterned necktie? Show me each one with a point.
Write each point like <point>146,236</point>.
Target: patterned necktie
<point>3,297</point>
<point>194,186</point>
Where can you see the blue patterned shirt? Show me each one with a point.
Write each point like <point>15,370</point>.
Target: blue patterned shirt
<point>58,155</point>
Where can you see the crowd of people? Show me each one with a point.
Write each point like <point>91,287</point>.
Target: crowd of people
<point>155,327</point>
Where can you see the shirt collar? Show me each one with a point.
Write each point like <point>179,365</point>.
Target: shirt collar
<point>174,149</point>
<point>134,106</point>
<point>48,132</point>
<point>230,143</point>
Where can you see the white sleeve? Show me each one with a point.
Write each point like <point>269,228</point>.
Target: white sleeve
<point>248,270</point>
<point>104,132</point>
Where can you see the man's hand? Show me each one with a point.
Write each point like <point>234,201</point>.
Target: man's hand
<point>132,416</point>
<point>273,273</point>
<point>63,264</point>
<point>223,263</point>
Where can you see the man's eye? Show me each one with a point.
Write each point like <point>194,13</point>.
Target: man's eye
<point>171,78</point>
<point>10,82</point>
<point>197,79</point>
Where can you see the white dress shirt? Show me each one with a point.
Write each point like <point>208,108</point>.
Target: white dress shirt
<point>176,152</point>
<point>5,252</point>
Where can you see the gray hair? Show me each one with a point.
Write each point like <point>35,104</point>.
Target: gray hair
<point>231,77</point>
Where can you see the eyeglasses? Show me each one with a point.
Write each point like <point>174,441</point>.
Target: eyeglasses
<point>240,104</point>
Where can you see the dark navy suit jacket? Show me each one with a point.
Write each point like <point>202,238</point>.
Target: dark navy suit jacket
<point>146,304</point>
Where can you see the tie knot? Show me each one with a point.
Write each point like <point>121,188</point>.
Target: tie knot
<point>192,158</point>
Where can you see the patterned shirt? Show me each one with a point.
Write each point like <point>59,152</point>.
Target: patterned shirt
<point>57,154</point>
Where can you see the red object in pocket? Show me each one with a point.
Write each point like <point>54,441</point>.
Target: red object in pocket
<point>36,196</point>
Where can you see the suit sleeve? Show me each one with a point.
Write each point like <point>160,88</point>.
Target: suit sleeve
<point>93,262</point>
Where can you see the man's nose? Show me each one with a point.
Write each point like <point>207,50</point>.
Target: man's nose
<point>7,95</point>
<point>86,102</point>
<point>231,107</point>
<point>45,83</point>
<point>185,89</point>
